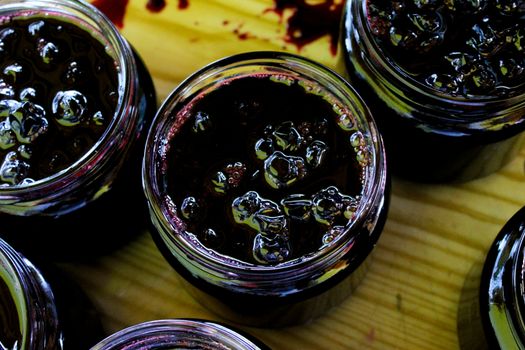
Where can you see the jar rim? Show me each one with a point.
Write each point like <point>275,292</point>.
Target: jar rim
<point>176,332</point>
<point>93,21</point>
<point>214,263</point>
<point>29,292</point>
<point>9,260</point>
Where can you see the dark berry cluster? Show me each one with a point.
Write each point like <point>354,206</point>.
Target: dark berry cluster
<point>459,47</point>
<point>266,168</point>
<point>58,91</point>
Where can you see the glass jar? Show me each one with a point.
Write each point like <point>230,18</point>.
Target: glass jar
<point>84,203</point>
<point>179,334</point>
<point>430,135</point>
<point>285,289</point>
<point>34,316</point>
<point>492,305</point>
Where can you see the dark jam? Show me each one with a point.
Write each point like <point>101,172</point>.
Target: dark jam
<point>265,168</point>
<point>460,48</point>
<point>58,93</point>
<point>9,322</point>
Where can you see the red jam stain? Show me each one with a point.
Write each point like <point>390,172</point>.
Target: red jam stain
<point>156,5</point>
<point>310,22</point>
<point>307,23</point>
<point>184,4</point>
<point>114,9</point>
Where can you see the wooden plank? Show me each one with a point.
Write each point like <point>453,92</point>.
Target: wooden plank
<point>434,233</point>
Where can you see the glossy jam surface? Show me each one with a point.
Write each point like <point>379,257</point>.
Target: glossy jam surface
<point>473,48</point>
<point>58,93</point>
<point>265,168</point>
<point>9,322</point>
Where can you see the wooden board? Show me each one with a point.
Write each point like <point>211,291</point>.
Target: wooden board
<point>434,233</point>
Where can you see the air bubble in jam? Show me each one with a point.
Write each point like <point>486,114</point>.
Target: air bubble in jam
<point>6,90</point>
<point>190,209</point>
<point>485,39</point>
<point>297,207</point>
<point>28,94</point>
<point>13,73</point>
<point>287,137</point>
<point>48,51</point>
<point>330,204</point>
<point>272,192</point>
<point>45,86</point>
<point>28,121</point>
<point>202,122</point>
<point>7,136</point>
<point>332,234</point>
<point>271,250</point>
<point>264,148</point>
<point>69,107</point>
<point>281,170</point>
<point>13,169</point>
<point>316,153</point>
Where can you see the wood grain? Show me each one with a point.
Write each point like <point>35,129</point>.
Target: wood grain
<point>433,235</point>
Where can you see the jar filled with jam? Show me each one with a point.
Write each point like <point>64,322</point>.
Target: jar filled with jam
<point>445,80</point>
<point>267,186</point>
<point>74,100</point>
<point>180,334</point>
<point>38,312</point>
<point>492,305</point>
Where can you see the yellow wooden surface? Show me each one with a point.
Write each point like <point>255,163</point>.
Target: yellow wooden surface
<point>434,233</point>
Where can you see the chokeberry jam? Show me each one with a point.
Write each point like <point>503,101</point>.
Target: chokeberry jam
<point>9,322</point>
<point>465,48</point>
<point>444,79</point>
<point>264,170</point>
<point>75,99</point>
<point>58,92</point>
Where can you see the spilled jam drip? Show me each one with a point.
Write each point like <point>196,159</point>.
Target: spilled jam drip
<point>460,48</point>
<point>308,21</point>
<point>58,92</point>
<point>9,323</point>
<point>114,9</point>
<point>311,21</point>
<point>264,169</point>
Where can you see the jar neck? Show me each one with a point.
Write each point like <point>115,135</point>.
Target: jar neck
<point>91,175</point>
<point>414,99</point>
<point>33,299</point>
<point>180,334</point>
<point>502,295</point>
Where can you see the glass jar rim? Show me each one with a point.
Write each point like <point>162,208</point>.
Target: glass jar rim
<point>214,263</point>
<point>93,21</point>
<point>518,281</point>
<point>12,277</point>
<point>171,332</point>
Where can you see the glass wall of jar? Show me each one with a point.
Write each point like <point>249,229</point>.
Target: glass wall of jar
<point>267,187</point>
<point>492,305</point>
<point>35,314</point>
<point>74,102</point>
<point>180,334</point>
<point>445,81</point>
